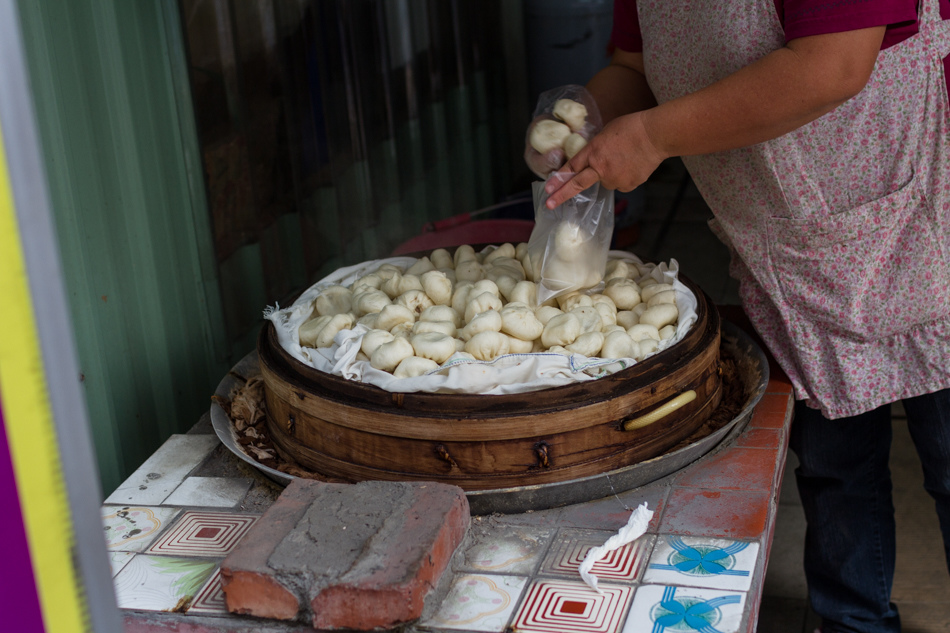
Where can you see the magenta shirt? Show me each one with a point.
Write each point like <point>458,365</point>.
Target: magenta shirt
<point>801,18</point>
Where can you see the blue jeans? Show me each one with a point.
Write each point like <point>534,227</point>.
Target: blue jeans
<point>845,485</point>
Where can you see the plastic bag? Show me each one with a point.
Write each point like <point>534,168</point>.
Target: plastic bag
<point>544,162</point>
<point>568,247</point>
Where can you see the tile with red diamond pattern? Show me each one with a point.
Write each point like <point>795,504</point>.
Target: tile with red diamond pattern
<point>624,563</point>
<point>558,606</point>
<point>204,534</point>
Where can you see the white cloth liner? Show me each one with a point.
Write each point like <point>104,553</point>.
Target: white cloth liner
<point>512,373</point>
<point>635,528</point>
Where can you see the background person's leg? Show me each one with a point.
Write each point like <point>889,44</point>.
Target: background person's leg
<point>845,485</point>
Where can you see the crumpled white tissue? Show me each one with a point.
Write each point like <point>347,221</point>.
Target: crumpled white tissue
<point>635,528</point>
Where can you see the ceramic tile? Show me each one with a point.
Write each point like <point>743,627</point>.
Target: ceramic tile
<point>778,383</point>
<point>658,608</point>
<point>606,514</point>
<point>513,550</point>
<point>612,513</point>
<point>132,528</point>
<point>760,438</point>
<point>479,603</point>
<point>164,471</point>
<point>702,562</point>
<point>203,534</point>
<point>161,583</point>
<point>556,606</point>
<point>738,514</point>
<point>209,492</point>
<point>735,468</point>
<point>210,598</point>
<point>538,518</point>
<point>118,560</point>
<point>773,411</point>
<point>623,564</point>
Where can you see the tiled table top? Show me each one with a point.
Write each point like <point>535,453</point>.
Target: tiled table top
<point>700,566</point>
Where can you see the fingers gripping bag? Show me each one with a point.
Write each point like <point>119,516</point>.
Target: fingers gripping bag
<point>564,120</point>
<point>568,247</point>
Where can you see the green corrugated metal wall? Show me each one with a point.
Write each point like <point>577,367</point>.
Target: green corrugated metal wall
<point>127,195</point>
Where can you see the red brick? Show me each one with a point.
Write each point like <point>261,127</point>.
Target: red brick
<point>246,578</point>
<point>347,556</point>
<point>258,594</point>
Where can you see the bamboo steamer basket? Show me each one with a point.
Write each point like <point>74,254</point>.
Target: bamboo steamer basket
<point>353,431</point>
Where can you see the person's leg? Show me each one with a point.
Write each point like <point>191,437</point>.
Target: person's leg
<point>928,419</point>
<point>845,485</point>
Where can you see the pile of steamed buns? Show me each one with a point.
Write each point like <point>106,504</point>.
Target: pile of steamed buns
<point>480,306</point>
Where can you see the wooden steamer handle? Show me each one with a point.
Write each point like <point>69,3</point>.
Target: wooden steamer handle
<point>660,412</point>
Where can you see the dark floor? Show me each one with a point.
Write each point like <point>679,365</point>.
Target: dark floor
<point>922,584</point>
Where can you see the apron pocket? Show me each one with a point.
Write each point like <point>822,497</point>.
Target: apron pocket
<point>867,273</point>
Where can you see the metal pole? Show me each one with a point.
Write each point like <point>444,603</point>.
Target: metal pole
<point>59,362</point>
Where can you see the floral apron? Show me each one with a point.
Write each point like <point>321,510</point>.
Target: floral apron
<point>839,230</point>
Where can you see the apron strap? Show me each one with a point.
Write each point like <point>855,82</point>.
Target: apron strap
<point>928,11</point>
<point>933,27</point>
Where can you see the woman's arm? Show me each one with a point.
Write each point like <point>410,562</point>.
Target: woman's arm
<point>621,87</point>
<point>784,90</point>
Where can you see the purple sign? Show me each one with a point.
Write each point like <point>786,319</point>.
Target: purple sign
<point>19,599</point>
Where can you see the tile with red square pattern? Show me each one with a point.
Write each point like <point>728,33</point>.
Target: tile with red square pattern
<point>739,514</point>
<point>204,534</point>
<point>625,563</point>
<point>210,599</point>
<point>569,607</point>
<point>735,468</point>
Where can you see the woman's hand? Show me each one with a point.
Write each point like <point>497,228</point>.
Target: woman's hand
<point>621,157</point>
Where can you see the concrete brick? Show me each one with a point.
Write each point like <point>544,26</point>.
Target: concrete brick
<point>355,557</point>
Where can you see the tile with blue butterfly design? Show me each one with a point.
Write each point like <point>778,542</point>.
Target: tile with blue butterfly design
<point>671,609</point>
<point>702,562</point>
